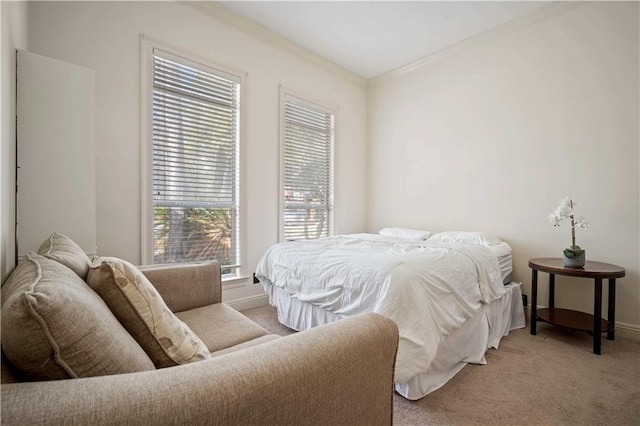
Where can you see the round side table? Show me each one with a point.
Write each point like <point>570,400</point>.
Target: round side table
<point>593,324</point>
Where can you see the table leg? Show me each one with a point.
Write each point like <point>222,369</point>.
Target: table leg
<point>534,300</point>
<point>611,316</point>
<point>552,291</point>
<point>597,316</point>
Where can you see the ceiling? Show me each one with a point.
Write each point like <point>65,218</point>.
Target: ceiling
<point>372,38</point>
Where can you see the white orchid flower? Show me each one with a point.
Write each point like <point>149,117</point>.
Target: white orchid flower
<point>580,222</point>
<point>565,210</point>
<point>554,219</point>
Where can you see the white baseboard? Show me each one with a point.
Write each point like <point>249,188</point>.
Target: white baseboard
<point>623,329</point>
<point>249,302</point>
<point>628,331</point>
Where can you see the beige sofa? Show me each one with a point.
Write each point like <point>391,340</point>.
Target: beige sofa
<point>340,373</point>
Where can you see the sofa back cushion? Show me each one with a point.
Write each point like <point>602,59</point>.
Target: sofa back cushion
<point>55,327</point>
<point>63,249</point>
<point>141,310</point>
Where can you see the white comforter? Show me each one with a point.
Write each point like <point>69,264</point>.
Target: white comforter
<point>428,289</point>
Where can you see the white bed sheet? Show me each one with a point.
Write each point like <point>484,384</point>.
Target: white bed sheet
<point>502,252</point>
<point>469,343</point>
<point>428,289</point>
<point>465,345</point>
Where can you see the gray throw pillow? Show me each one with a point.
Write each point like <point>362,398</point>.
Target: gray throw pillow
<point>64,250</point>
<point>55,327</point>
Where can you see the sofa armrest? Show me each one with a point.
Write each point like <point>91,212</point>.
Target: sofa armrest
<point>340,373</point>
<point>186,286</point>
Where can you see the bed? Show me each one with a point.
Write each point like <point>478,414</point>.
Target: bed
<point>450,294</point>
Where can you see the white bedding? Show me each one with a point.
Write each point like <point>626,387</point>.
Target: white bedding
<point>502,252</point>
<point>464,345</point>
<point>428,289</point>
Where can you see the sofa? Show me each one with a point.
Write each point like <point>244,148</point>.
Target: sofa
<point>340,373</point>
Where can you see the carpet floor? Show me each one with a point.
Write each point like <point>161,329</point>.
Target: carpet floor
<point>552,378</point>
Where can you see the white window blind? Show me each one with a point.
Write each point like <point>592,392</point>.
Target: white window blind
<point>195,163</point>
<point>307,170</point>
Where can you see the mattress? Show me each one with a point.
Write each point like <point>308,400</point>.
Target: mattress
<point>502,252</point>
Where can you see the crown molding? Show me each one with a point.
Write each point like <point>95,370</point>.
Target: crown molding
<point>245,25</point>
<point>501,30</point>
<point>223,13</point>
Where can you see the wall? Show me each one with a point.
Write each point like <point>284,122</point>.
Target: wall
<point>106,37</point>
<point>489,138</point>
<point>56,132</point>
<point>14,36</point>
<point>492,137</point>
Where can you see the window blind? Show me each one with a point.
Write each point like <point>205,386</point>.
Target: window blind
<point>307,174</point>
<point>195,163</point>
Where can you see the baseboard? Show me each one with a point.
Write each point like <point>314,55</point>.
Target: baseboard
<point>623,329</point>
<point>628,331</point>
<point>249,302</point>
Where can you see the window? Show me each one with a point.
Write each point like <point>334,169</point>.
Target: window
<point>306,170</point>
<point>195,170</point>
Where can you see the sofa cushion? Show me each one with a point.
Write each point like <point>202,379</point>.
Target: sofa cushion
<point>220,326</point>
<point>141,310</point>
<point>55,327</point>
<point>245,345</point>
<point>63,249</point>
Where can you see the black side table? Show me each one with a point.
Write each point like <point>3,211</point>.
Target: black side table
<point>593,324</point>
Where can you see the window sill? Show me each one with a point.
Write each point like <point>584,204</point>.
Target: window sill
<point>234,282</point>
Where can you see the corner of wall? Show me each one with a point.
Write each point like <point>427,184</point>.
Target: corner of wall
<point>14,36</point>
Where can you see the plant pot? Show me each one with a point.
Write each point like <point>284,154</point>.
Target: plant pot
<point>574,262</point>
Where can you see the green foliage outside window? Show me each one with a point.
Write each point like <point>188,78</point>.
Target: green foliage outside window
<point>192,234</point>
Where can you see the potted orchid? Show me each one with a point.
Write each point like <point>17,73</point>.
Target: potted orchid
<point>574,256</point>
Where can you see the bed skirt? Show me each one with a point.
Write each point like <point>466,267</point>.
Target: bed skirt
<point>467,344</point>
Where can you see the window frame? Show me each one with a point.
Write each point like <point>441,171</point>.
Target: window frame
<point>239,275</point>
<point>307,101</point>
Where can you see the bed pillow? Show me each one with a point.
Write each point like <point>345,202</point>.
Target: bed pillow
<point>465,237</point>
<point>55,327</point>
<point>411,234</point>
<point>141,310</point>
<point>64,250</point>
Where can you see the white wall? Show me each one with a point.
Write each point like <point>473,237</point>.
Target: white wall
<point>106,38</point>
<point>56,152</point>
<point>492,137</point>
<point>14,36</point>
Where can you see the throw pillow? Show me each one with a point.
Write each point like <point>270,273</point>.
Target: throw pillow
<point>63,249</point>
<point>411,234</point>
<point>55,327</point>
<point>141,310</point>
<point>465,237</point>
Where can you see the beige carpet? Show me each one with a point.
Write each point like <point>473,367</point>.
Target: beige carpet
<point>549,379</point>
